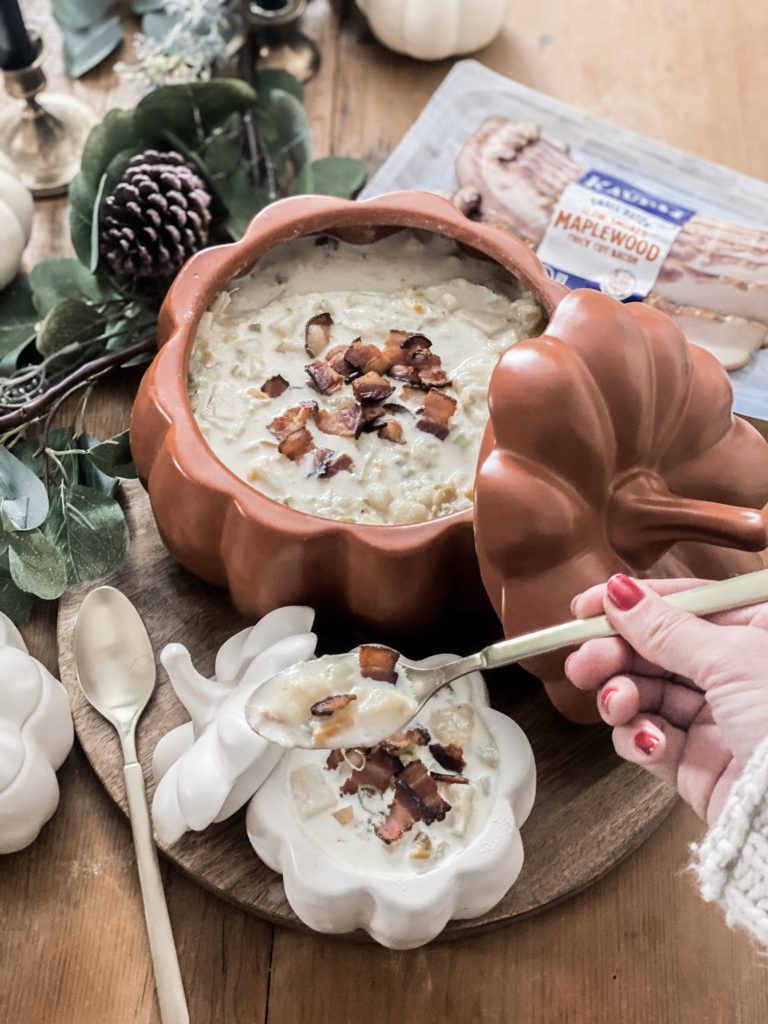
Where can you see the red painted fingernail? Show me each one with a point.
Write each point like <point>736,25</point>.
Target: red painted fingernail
<point>645,741</point>
<point>606,695</point>
<point>623,592</point>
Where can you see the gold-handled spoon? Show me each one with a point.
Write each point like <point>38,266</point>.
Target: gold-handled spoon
<point>116,668</point>
<point>373,707</point>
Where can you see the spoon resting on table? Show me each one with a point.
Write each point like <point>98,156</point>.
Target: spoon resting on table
<point>361,698</point>
<point>116,668</point>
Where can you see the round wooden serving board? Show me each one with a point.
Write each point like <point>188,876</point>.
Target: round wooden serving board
<point>591,810</point>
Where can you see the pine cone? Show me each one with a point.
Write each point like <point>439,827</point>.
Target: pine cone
<point>156,218</point>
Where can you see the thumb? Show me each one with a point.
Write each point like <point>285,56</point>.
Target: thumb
<point>674,640</point>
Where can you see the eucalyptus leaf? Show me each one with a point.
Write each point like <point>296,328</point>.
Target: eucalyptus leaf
<point>146,6</point>
<point>157,24</point>
<point>242,199</point>
<point>69,322</point>
<point>17,322</point>
<point>192,110</point>
<point>15,603</point>
<point>113,456</point>
<point>279,78</point>
<point>95,219</point>
<point>85,49</point>
<point>284,127</point>
<point>89,530</point>
<point>81,198</point>
<point>37,565</point>
<point>80,14</point>
<point>23,497</point>
<point>55,280</point>
<point>115,133</point>
<point>330,176</point>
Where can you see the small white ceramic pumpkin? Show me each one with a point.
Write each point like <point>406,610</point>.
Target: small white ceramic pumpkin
<point>35,736</point>
<point>434,29</point>
<point>15,220</point>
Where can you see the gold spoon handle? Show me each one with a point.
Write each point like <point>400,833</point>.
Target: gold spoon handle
<point>737,592</point>
<point>165,963</point>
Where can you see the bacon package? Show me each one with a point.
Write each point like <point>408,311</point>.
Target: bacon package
<point>604,208</point>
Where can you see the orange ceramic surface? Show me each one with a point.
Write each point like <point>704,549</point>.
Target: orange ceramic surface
<point>612,447</point>
<point>390,581</point>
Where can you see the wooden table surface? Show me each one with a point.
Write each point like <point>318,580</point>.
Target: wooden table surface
<point>640,945</point>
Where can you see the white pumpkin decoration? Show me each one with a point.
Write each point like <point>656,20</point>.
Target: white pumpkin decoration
<point>208,768</point>
<point>434,29</point>
<point>35,736</point>
<point>15,220</point>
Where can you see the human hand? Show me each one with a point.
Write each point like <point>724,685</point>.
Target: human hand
<point>687,697</point>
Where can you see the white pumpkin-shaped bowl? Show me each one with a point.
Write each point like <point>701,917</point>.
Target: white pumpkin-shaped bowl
<point>35,736</point>
<point>338,874</point>
<point>434,29</point>
<point>207,768</point>
<point>15,220</point>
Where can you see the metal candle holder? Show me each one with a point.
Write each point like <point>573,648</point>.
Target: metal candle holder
<point>278,43</point>
<point>44,138</point>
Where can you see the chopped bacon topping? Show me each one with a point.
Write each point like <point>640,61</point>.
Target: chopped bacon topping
<point>414,395</point>
<point>326,463</point>
<point>373,417</point>
<point>378,662</point>
<point>372,387</point>
<point>391,430</point>
<point>346,422</point>
<point>380,769</point>
<point>329,705</point>
<point>434,377</point>
<point>416,799</point>
<point>398,741</point>
<point>292,419</point>
<point>430,427</point>
<point>335,758</point>
<point>337,360</point>
<point>323,376</point>
<point>416,343</point>
<point>401,371</point>
<point>439,407</point>
<point>275,386</point>
<point>317,333</point>
<point>296,445</point>
<point>367,357</point>
<point>395,407</point>
<point>449,756</point>
<point>454,780</point>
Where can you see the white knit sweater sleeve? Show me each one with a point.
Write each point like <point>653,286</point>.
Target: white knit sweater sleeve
<point>732,861</point>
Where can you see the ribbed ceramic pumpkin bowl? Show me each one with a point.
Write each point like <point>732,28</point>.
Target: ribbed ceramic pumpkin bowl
<point>388,581</point>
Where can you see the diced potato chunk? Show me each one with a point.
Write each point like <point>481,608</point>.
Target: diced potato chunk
<point>453,724</point>
<point>461,799</point>
<point>310,790</point>
<point>344,814</point>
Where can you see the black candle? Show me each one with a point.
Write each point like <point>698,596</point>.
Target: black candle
<point>16,48</point>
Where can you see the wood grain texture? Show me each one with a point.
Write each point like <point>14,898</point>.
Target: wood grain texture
<point>600,809</point>
<point>639,945</point>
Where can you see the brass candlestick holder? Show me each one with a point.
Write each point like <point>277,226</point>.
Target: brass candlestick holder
<point>275,42</point>
<point>44,138</point>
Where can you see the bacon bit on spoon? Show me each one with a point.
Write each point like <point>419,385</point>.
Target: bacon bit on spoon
<point>458,780</point>
<point>367,357</point>
<point>449,756</point>
<point>296,445</point>
<point>378,663</point>
<point>275,386</point>
<point>346,422</point>
<point>291,419</point>
<point>323,376</point>
<point>335,758</point>
<point>329,705</point>
<point>336,358</point>
<point>391,430</point>
<point>326,463</point>
<point>372,387</point>
<point>380,769</point>
<point>317,333</point>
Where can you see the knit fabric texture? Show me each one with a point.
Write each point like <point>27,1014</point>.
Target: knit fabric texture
<point>732,861</point>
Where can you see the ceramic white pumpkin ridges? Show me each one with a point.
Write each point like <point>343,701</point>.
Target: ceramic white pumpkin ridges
<point>36,735</point>
<point>209,767</point>
<point>15,220</point>
<point>402,911</point>
<point>434,29</point>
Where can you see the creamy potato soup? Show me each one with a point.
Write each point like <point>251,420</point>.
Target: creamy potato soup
<point>350,381</point>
